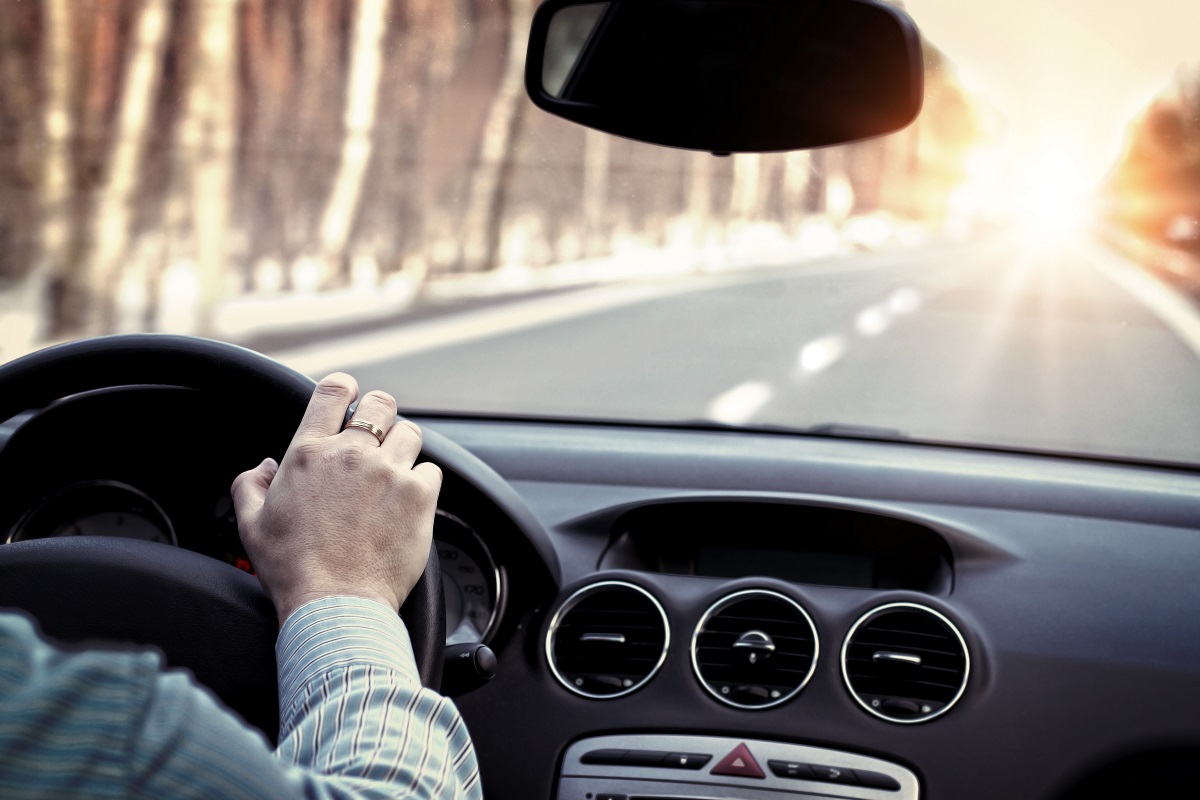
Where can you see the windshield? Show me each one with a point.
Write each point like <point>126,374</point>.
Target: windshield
<point>363,185</point>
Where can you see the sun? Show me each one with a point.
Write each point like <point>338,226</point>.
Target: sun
<point>1052,195</point>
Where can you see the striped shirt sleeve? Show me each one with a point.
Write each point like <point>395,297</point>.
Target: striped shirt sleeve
<point>356,723</point>
<point>351,704</point>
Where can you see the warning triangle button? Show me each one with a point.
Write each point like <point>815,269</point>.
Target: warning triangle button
<point>738,762</point>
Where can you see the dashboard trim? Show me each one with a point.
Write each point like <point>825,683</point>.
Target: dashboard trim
<point>728,600</point>
<point>570,603</point>
<point>918,606</point>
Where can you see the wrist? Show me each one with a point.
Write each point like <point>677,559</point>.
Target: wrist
<point>288,605</point>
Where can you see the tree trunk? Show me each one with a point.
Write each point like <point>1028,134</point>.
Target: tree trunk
<point>57,261</point>
<point>358,123</point>
<point>797,167</point>
<point>747,171</point>
<point>207,134</point>
<point>596,147</point>
<point>485,208</point>
<point>114,203</point>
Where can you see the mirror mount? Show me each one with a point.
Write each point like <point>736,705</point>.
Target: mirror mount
<point>727,76</point>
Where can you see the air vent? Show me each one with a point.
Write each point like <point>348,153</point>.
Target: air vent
<point>905,663</point>
<point>754,649</point>
<point>607,639</point>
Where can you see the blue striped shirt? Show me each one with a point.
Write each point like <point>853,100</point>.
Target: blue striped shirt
<point>354,719</point>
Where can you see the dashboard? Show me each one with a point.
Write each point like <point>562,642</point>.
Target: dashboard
<point>689,613</point>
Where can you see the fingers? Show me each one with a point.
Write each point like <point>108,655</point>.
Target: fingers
<point>403,442</point>
<point>327,409</point>
<point>377,408</point>
<point>430,474</point>
<point>250,488</point>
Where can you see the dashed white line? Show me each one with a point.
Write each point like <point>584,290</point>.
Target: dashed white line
<point>821,353</point>
<point>904,301</point>
<point>873,320</point>
<point>738,405</point>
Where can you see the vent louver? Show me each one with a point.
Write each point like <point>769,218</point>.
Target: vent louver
<point>754,649</point>
<point>905,663</point>
<point>607,640</point>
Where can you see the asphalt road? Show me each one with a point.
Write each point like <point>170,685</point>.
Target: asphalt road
<point>1060,347</point>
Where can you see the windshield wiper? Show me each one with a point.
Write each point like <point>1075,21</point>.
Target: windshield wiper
<point>833,430</point>
<point>844,430</point>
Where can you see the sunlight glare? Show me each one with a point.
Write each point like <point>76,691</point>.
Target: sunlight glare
<point>1052,196</point>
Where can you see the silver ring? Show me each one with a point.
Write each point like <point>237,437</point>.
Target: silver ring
<point>374,430</point>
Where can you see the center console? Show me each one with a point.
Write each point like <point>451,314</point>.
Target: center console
<point>668,767</point>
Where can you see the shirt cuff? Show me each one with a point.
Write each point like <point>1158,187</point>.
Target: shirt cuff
<point>332,632</point>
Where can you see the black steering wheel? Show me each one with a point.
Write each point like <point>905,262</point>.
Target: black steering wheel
<point>201,613</point>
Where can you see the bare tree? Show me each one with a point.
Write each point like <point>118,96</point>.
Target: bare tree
<point>485,208</point>
<point>115,199</point>
<point>596,148</point>
<point>56,259</point>
<point>796,170</point>
<point>747,171</point>
<point>207,132</point>
<point>358,123</point>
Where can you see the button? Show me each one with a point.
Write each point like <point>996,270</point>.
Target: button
<point>739,763</point>
<point>832,774</point>
<point>686,760</point>
<point>644,758</point>
<point>877,780</point>
<point>791,769</point>
<point>609,796</point>
<point>603,757</point>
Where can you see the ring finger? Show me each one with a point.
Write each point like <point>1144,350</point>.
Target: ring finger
<point>377,409</point>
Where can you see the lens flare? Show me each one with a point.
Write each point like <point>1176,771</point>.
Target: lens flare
<point>1052,197</point>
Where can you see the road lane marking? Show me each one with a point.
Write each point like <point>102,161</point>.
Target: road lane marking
<point>873,320</point>
<point>1177,313</point>
<point>738,405</point>
<point>821,353</point>
<point>904,301</point>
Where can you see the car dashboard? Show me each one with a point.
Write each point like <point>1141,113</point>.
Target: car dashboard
<point>691,613</point>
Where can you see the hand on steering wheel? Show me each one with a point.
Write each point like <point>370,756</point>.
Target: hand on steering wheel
<point>347,513</point>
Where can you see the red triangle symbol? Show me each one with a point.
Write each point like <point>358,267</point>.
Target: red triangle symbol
<point>738,762</point>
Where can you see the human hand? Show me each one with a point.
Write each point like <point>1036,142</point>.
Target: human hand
<point>343,514</point>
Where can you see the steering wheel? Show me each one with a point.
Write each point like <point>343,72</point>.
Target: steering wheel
<point>201,613</point>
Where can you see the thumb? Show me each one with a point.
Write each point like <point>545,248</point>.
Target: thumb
<point>250,489</point>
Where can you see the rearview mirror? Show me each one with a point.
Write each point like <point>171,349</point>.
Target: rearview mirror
<point>727,75</point>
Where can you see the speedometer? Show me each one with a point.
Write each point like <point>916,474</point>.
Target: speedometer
<point>96,508</point>
<point>472,583</point>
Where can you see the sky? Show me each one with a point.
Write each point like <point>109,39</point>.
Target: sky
<point>1067,75</point>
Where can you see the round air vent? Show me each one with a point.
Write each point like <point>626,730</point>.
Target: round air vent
<point>754,649</point>
<point>905,663</point>
<point>607,639</point>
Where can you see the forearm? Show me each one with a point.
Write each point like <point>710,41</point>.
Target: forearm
<point>112,723</point>
<point>352,706</point>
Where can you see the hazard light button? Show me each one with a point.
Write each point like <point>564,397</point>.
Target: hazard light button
<point>739,763</point>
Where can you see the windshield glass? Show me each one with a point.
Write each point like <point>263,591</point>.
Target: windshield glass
<point>363,185</point>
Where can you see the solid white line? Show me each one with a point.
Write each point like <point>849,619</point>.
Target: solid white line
<point>1177,313</point>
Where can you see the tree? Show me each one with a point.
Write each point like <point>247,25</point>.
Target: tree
<point>358,122</point>
<point>207,135</point>
<point>115,199</point>
<point>493,174</point>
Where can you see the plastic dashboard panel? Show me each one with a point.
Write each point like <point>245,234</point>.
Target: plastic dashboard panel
<point>1074,587</point>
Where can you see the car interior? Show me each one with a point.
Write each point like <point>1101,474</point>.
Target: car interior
<point>641,611</point>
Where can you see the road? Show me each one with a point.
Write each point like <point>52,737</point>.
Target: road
<point>1060,347</point>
